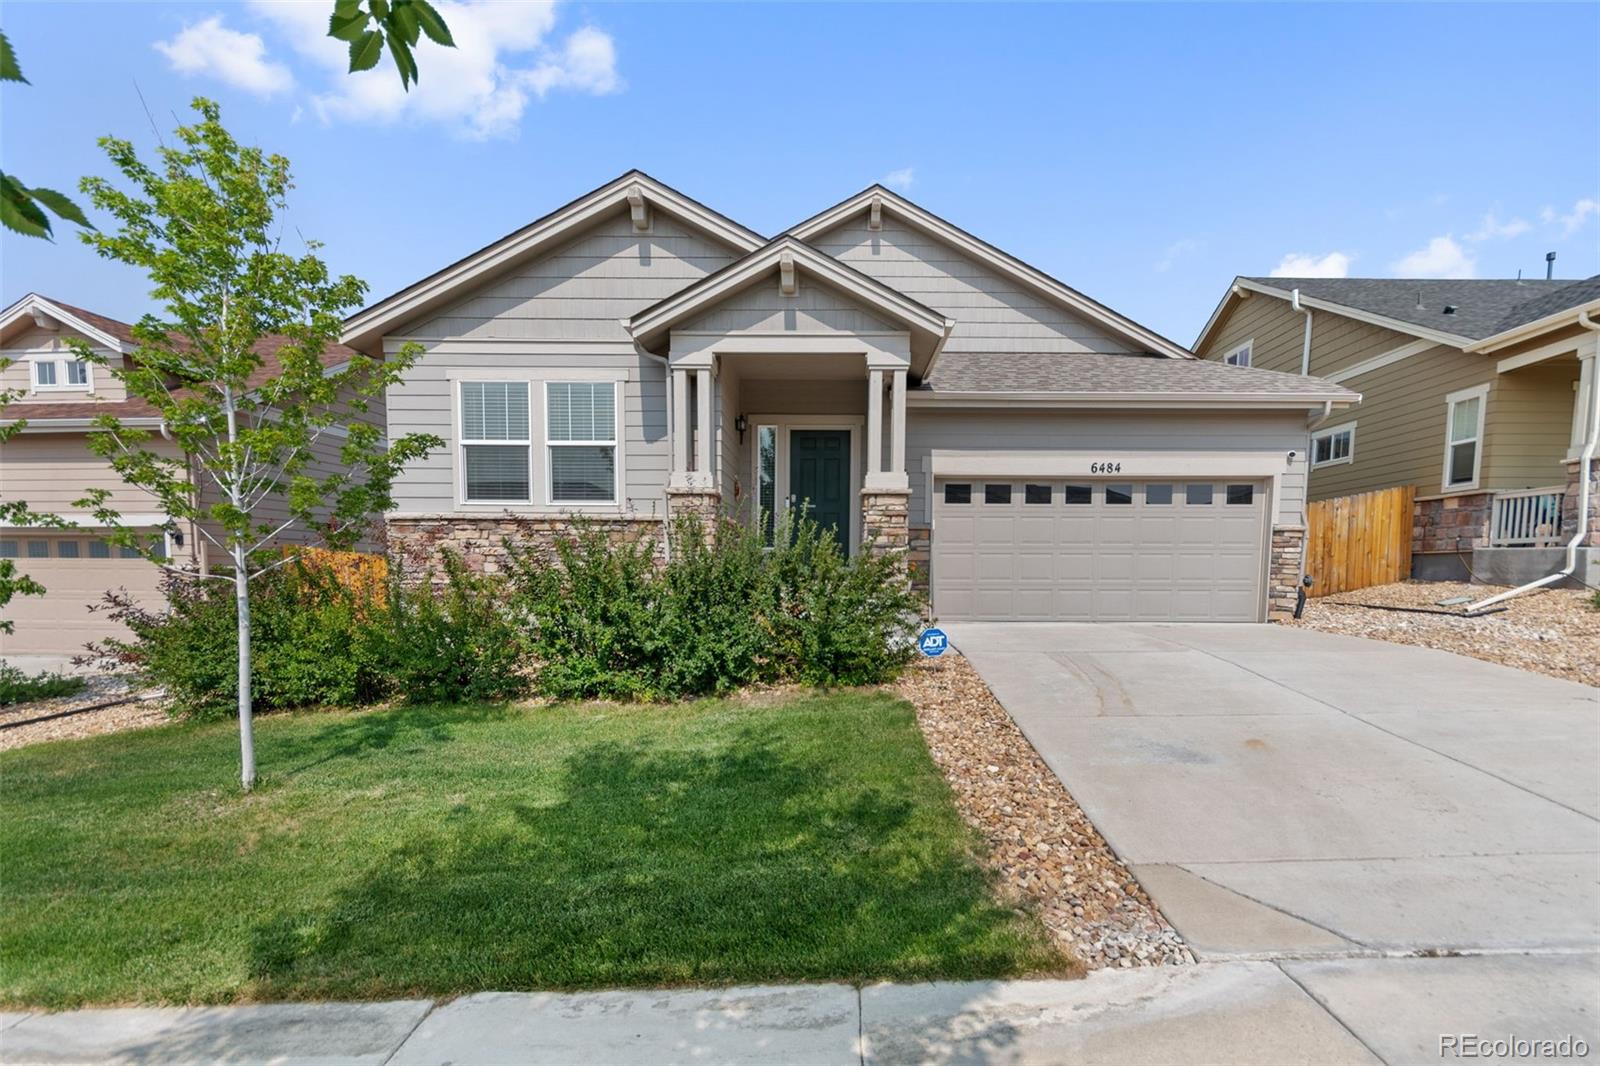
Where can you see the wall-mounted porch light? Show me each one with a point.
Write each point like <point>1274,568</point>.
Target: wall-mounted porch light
<point>741,423</point>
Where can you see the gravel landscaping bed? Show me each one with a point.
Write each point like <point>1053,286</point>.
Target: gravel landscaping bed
<point>1043,846</point>
<point>1553,631</point>
<point>100,688</point>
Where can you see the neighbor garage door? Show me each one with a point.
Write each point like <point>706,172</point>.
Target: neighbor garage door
<point>1099,550</point>
<point>76,571</point>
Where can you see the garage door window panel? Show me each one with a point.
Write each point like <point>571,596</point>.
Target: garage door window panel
<point>958,493</point>
<point>1197,494</point>
<point>99,549</point>
<point>997,494</point>
<point>1036,494</point>
<point>1158,494</point>
<point>1119,494</point>
<point>1078,494</point>
<point>1241,495</point>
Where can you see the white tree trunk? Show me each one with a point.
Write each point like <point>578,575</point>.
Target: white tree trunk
<point>247,740</point>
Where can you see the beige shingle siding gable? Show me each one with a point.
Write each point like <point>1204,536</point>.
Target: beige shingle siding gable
<point>992,313</point>
<point>583,290</point>
<point>1277,335</point>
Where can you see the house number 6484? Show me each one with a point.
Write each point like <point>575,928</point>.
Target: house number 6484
<point>1105,468</point>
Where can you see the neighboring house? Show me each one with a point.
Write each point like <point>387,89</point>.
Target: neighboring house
<point>635,355</point>
<point>48,465</point>
<point>1479,393</point>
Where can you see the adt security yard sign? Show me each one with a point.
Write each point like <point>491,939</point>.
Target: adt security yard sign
<point>933,642</point>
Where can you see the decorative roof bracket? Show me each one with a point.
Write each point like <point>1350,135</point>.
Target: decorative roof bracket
<point>639,209</point>
<point>875,214</point>
<point>787,282</point>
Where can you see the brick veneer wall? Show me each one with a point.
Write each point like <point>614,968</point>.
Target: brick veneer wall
<point>1569,505</point>
<point>418,543</point>
<point>1284,569</point>
<point>1451,523</point>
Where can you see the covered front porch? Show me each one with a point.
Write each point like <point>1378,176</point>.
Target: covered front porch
<point>787,382</point>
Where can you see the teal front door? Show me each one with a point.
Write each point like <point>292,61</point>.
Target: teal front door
<point>819,478</point>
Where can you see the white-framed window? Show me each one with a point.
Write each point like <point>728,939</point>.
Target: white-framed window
<point>581,442</point>
<point>1463,437</point>
<point>1332,446</point>
<point>65,375</point>
<point>1240,356</point>
<point>496,442</point>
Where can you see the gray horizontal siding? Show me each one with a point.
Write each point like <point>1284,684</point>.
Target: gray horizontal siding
<point>992,313</point>
<point>1122,431</point>
<point>761,308</point>
<point>584,289</point>
<point>422,404</point>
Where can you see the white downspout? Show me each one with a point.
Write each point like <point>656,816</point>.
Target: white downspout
<point>1305,350</point>
<point>1585,476</point>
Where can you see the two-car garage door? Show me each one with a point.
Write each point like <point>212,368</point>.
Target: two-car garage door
<point>1099,550</point>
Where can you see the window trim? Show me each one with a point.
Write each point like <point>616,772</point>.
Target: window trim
<point>60,369</point>
<point>1334,431</point>
<point>462,443</point>
<point>615,444</point>
<point>1247,349</point>
<point>1481,394</point>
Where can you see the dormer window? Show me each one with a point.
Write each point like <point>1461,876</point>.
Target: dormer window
<point>61,375</point>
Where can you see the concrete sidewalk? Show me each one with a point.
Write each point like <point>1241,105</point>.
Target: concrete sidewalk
<point>1321,1011</point>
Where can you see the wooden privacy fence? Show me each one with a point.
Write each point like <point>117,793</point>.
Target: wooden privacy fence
<point>1356,541</point>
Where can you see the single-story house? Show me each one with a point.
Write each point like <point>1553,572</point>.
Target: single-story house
<point>1479,393</point>
<point>635,355</point>
<point>49,466</point>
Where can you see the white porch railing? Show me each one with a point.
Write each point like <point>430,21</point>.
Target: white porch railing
<point>1526,518</point>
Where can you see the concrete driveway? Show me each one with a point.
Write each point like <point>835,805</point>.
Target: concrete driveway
<point>1288,793</point>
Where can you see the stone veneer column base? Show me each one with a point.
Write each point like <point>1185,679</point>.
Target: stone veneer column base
<point>1569,504</point>
<point>706,504</point>
<point>418,544</point>
<point>884,528</point>
<point>919,558</point>
<point>1285,569</point>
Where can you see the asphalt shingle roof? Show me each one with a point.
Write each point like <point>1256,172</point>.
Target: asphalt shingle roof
<point>1483,306</point>
<point>1093,372</point>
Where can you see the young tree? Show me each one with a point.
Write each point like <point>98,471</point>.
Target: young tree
<point>202,224</point>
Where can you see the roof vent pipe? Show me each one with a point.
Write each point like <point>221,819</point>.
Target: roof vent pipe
<point>1585,480</point>
<point>1305,350</point>
<point>1549,265</point>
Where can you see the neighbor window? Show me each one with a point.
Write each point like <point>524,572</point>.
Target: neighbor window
<point>1241,494</point>
<point>1158,494</point>
<point>955,493</point>
<point>1240,356</point>
<point>1036,493</point>
<point>581,435</point>
<point>99,549</point>
<point>127,551</point>
<point>1119,493</point>
<point>77,372</point>
<point>997,494</point>
<point>1332,446</point>
<point>1197,494</point>
<point>496,448</point>
<point>1077,494</point>
<point>1463,437</point>
<point>38,549</point>
<point>66,549</point>
<point>8,549</point>
<point>61,374</point>
<point>44,373</point>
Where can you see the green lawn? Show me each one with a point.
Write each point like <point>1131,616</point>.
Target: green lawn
<point>446,850</point>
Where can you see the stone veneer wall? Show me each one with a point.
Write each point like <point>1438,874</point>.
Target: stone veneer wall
<point>707,505</point>
<point>481,541</point>
<point>1451,523</point>
<point>1569,505</point>
<point>1285,569</point>
<point>919,557</point>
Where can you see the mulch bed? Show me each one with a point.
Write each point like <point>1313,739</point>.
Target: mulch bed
<point>1046,852</point>
<point>1553,631</point>
<point>136,713</point>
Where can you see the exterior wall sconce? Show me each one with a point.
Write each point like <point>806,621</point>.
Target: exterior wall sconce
<point>741,423</point>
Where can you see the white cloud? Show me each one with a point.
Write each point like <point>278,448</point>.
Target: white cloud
<point>1441,257</point>
<point>238,59</point>
<point>504,59</point>
<point>1579,216</point>
<point>1176,251</point>
<point>1301,265</point>
<point>1493,229</point>
<point>900,179</point>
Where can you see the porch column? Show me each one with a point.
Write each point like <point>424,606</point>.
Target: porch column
<point>897,425</point>
<point>874,423</point>
<point>705,475</point>
<point>1584,399</point>
<point>680,427</point>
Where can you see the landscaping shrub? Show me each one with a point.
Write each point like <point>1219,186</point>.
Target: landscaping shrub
<point>607,622</point>
<point>447,644</point>
<point>19,687</point>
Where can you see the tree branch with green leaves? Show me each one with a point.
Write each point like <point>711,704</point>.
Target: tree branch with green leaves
<point>23,209</point>
<point>263,437</point>
<point>400,24</point>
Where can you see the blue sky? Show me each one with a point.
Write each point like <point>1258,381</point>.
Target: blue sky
<point>1142,153</point>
